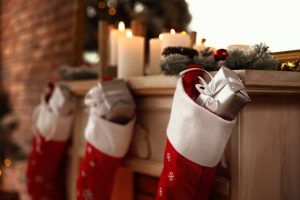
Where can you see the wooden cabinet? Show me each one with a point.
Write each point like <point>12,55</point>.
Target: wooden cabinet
<point>262,156</point>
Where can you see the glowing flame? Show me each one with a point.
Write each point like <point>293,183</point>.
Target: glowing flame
<point>184,33</point>
<point>161,36</point>
<point>129,34</point>
<point>121,26</point>
<point>172,31</point>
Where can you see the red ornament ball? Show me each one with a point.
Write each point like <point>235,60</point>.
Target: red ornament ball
<point>221,54</point>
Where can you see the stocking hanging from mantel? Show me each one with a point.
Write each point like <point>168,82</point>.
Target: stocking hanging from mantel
<point>196,138</point>
<point>52,124</point>
<point>107,140</point>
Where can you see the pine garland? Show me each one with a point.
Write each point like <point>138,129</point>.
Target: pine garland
<point>207,61</point>
<point>174,64</point>
<point>191,53</point>
<point>77,73</point>
<point>237,59</point>
<point>258,58</point>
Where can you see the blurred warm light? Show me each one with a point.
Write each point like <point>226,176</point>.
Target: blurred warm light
<point>112,3</point>
<point>139,7</point>
<point>7,162</point>
<point>91,57</point>
<point>112,11</point>
<point>184,33</point>
<point>91,11</point>
<point>129,34</point>
<point>0,172</point>
<point>102,4</point>
<point>161,36</point>
<point>121,26</point>
<point>172,31</point>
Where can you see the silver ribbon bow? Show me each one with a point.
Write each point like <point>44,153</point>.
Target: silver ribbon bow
<point>211,89</point>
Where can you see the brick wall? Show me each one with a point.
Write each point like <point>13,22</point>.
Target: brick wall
<point>37,36</point>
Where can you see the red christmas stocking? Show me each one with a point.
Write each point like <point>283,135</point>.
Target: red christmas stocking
<point>107,143</point>
<point>195,144</point>
<point>44,164</point>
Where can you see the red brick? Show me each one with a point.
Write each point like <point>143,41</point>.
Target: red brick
<point>36,38</point>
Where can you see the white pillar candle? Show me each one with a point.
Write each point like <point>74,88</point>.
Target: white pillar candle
<point>154,56</point>
<point>174,39</point>
<point>113,43</point>
<point>130,55</point>
<point>241,47</point>
<point>201,47</point>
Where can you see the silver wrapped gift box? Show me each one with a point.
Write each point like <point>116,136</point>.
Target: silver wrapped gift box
<point>224,95</point>
<point>118,101</point>
<point>111,100</point>
<point>61,101</point>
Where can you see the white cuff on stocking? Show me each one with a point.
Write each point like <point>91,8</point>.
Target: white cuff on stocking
<point>51,125</point>
<point>110,138</point>
<point>195,132</point>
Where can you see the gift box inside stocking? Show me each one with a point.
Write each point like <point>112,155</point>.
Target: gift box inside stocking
<point>108,134</point>
<point>196,139</point>
<point>224,95</point>
<point>111,100</point>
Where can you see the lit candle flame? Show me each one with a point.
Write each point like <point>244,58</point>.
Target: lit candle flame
<point>121,26</point>
<point>183,32</point>
<point>161,36</point>
<point>129,34</point>
<point>172,31</point>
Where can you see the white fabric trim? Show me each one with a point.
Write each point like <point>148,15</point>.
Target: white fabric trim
<point>50,124</point>
<point>61,100</point>
<point>195,132</point>
<point>108,137</point>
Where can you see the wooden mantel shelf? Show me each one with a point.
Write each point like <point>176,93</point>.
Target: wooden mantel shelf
<point>262,154</point>
<point>256,82</point>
